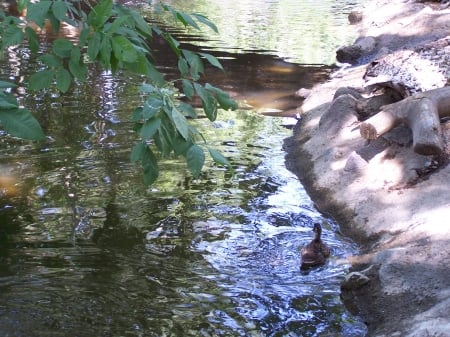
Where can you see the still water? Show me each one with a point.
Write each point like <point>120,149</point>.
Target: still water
<point>87,250</point>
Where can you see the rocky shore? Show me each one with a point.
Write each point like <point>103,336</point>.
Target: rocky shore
<point>393,201</point>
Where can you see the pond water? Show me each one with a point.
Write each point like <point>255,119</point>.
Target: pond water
<point>87,250</point>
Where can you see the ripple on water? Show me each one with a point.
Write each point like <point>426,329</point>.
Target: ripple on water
<point>91,252</point>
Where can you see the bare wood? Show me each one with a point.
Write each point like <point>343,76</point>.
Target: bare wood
<point>423,119</point>
<point>421,112</point>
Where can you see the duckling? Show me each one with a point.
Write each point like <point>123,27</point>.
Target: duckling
<point>316,252</point>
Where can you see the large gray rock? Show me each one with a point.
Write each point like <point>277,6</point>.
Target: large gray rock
<point>362,47</point>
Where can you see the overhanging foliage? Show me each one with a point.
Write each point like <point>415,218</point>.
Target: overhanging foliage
<point>117,38</point>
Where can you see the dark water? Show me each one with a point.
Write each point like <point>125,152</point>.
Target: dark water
<point>87,250</point>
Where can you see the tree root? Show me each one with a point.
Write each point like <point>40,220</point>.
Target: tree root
<point>421,112</point>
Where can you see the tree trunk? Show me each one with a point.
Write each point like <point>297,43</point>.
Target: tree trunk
<point>421,112</point>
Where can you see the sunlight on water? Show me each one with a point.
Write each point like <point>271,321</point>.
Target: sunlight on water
<point>87,250</point>
<point>306,32</point>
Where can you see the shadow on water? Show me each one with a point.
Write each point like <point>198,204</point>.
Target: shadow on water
<point>87,250</point>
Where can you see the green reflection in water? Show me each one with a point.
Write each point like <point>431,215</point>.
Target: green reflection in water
<point>306,32</point>
<point>93,252</point>
<point>87,250</point>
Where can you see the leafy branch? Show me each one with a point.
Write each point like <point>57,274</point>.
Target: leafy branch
<point>118,38</point>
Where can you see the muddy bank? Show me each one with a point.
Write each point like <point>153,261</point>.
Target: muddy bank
<point>394,202</point>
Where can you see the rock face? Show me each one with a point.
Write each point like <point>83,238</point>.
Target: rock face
<point>393,201</point>
<point>351,54</point>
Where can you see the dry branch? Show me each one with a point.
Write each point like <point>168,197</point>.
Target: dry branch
<point>421,112</point>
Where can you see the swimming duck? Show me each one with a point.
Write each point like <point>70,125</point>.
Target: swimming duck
<point>316,252</point>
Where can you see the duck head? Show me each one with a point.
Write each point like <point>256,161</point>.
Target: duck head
<point>317,229</point>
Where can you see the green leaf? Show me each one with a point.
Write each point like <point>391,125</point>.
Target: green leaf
<point>138,151</point>
<point>225,101</point>
<point>37,12</point>
<point>219,158</point>
<point>155,75</point>
<point>157,30</point>
<point>63,80</point>
<point>180,146</point>
<point>183,67</point>
<point>140,66</point>
<point>188,89</point>
<point>84,36</point>
<point>188,110</point>
<point>147,88</point>
<point>100,14</point>
<point>5,84</point>
<point>94,45</point>
<point>75,54</point>
<point>12,36</point>
<point>151,107</point>
<point>212,60</point>
<point>7,101</point>
<point>142,152</point>
<point>124,49</point>
<point>209,103</point>
<point>105,52</point>
<point>150,166</point>
<point>186,20</point>
<point>78,70</point>
<point>76,66</point>
<point>150,128</point>
<point>42,79</point>
<point>116,24</point>
<point>195,158</point>
<point>5,105</point>
<point>54,22</point>
<point>59,9</point>
<point>166,135</point>
<point>62,47</point>
<point>33,39</point>
<point>180,123</point>
<point>21,123</point>
<point>203,19</point>
<point>51,61</point>
<point>22,4</point>
<point>137,116</point>
<point>141,24</point>
<point>195,63</point>
<point>173,43</point>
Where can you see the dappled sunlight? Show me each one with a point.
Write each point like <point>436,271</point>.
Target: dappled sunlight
<point>212,255</point>
<point>384,172</point>
<point>415,25</point>
<point>394,200</point>
<point>434,221</point>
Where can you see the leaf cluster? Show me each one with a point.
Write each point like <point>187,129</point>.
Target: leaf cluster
<point>162,121</point>
<point>117,38</point>
<point>15,120</point>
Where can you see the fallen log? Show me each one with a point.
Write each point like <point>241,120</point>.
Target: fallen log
<point>421,112</point>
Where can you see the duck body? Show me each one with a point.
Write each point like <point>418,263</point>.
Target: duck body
<point>316,252</point>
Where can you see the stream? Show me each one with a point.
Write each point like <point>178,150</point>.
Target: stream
<point>86,249</point>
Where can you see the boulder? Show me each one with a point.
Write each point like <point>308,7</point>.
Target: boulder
<point>362,47</point>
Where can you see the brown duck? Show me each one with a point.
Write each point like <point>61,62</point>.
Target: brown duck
<point>316,252</point>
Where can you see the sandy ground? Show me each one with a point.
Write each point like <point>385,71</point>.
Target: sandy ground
<point>378,193</point>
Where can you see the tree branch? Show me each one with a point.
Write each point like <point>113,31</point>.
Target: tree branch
<point>421,112</point>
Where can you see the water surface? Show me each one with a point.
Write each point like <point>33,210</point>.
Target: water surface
<point>87,250</point>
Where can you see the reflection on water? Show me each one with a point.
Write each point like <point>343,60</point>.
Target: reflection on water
<point>306,32</point>
<point>87,250</point>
